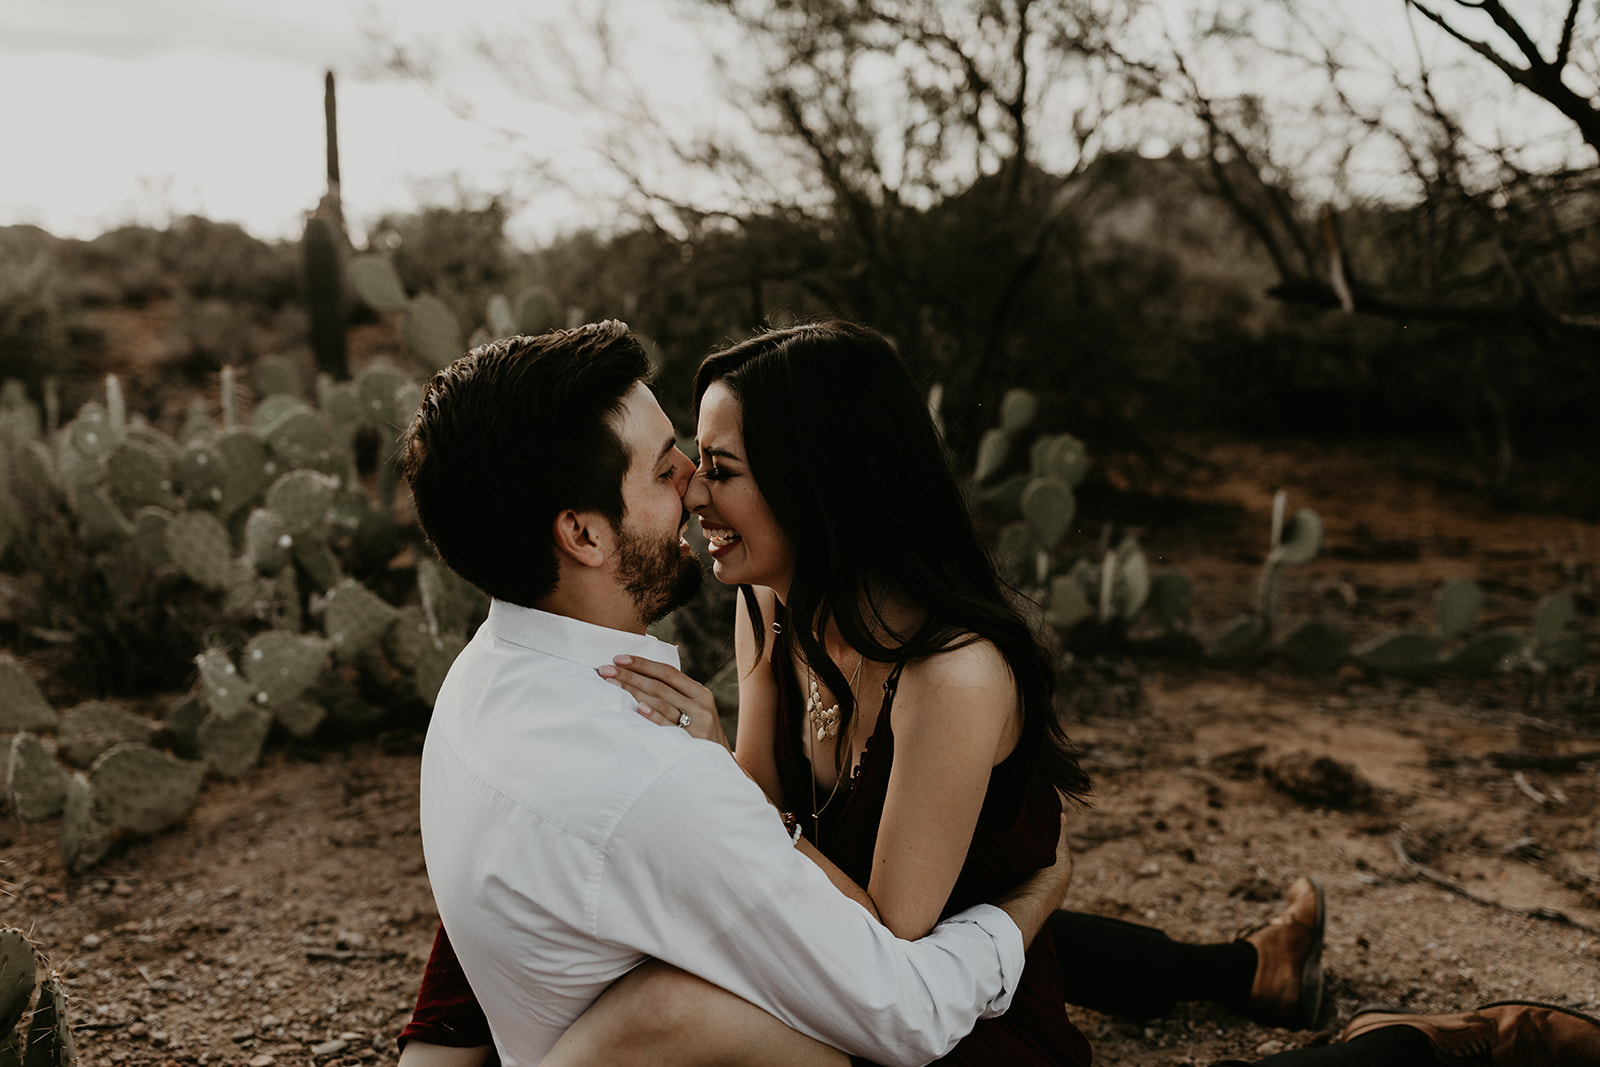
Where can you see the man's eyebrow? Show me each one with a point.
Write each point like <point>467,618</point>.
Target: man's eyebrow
<point>672,442</point>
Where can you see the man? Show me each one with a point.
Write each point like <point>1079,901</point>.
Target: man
<point>568,838</point>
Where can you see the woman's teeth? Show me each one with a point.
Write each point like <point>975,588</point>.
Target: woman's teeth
<point>722,538</point>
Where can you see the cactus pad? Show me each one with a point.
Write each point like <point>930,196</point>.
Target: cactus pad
<point>1410,655</point>
<point>203,475</point>
<point>150,535</point>
<point>1487,653</point>
<point>1017,410</point>
<point>137,788</point>
<point>249,468</point>
<point>279,376</point>
<point>434,664</point>
<point>1301,540</point>
<point>22,706</point>
<point>280,666</point>
<point>225,691</point>
<point>302,438</point>
<point>35,782</point>
<point>316,558</point>
<point>266,542</point>
<point>301,500</point>
<point>1550,618</point>
<point>182,723</point>
<point>18,977</point>
<point>34,480</point>
<point>1317,645</point>
<point>90,433</point>
<point>355,618</point>
<point>452,601</point>
<point>1456,605</point>
<point>376,390</point>
<point>536,312</point>
<point>198,543</point>
<point>103,521</point>
<point>1049,506</point>
<point>1171,596</point>
<point>300,717</point>
<point>138,475</point>
<point>1240,639</point>
<point>993,448</point>
<point>274,408</point>
<point>49,1035</point>
<point>377,283</point>
<point>233,745</point>
<point>1069,602</point>
<point>498,317</point>
<point>1060,456</point>
<point>431,332</point>
<point>92,727</point>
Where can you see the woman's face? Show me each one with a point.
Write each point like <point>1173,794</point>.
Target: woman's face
<point>747,545</point>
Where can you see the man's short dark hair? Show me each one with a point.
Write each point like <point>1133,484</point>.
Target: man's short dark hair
<point>509,436</point>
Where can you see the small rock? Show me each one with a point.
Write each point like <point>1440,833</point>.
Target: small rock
<point>1269,1047</point>
<point>138,1030</point>
<point>269,1021</point>
<point>351,939</point>
<point>1148,869</point>
<point>330,1048</point>
<point>264,1060</point>
<point>91,941</point>
<point>241,1035</point>
<point>122,889</point>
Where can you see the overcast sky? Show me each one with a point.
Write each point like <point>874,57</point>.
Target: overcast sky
<point>146,110</point>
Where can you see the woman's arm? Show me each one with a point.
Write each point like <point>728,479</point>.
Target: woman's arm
<point>956,715</point>
<point>756,740</point>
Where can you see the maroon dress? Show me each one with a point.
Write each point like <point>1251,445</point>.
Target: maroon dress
<point>1015,836</point>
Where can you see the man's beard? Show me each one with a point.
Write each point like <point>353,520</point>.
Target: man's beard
<point>657,574</point>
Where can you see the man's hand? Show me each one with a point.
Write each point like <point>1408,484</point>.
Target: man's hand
<point>1032,902</point>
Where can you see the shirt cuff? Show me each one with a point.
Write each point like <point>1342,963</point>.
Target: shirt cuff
<point>1008,947</point>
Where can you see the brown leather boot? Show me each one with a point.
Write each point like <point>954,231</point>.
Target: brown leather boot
<point>1287,990</point>
<point>1507,1033</point>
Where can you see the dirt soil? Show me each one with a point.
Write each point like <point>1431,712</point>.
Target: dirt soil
<point>286,920</point>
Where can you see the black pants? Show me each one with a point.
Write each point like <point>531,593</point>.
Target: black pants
<point>1121,968</point>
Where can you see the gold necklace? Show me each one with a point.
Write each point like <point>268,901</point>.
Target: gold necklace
<point>825,726</point>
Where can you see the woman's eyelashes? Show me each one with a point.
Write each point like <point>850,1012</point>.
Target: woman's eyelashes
<point>713,473</point>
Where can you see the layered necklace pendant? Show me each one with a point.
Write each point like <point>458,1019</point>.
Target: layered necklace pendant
<point>824,721</point>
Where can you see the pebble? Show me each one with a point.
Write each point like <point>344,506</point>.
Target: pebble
<point>138,1030</point>
<point>1270,1047</point>
<point>269,1021</point>
<point>264,1060</point>
<point>91,941</point>
<point>330,1048</point>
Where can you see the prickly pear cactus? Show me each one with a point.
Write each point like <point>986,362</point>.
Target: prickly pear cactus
<point>249,469</point>
<point>35,782</point>
<point>139,476</point>
<point>150,535</point>
<point>376,282</point>
<point>279,375</point>
<point>197,542</point>
<point>1412,655</point>
<point>34,1030</point>
<point>142,790</point>
<point>536,311</point>
<point>1048,506</point>
<point>203,475</point>
<point>431,332</point>
<point>232,744</point>
<point>355,618</point>
<point>267,542</point>
<point>280,666</point>
<point>224,690</point>
<point>85,837</point>
<point>92,727</point>
<point>22,706</point>
<point>301,500</point>
<point>1317,645</point>
<point>1456,605</point>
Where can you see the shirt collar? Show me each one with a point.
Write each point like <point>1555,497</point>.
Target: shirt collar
<point>572,639</point>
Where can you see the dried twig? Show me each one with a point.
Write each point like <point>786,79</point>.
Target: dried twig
<point>1527,788</point>
<point>1444,881</point>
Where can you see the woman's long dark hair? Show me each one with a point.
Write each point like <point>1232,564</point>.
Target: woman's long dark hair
<point>841,443</point>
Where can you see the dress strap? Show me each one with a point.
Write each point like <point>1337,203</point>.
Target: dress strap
<point>891,682</point>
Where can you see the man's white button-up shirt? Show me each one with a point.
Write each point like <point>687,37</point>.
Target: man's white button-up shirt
<point>568,838</point>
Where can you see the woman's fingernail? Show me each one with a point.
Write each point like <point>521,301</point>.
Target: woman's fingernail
<point>607,671</point>
<point>623,660</point>
<point>644,710</point>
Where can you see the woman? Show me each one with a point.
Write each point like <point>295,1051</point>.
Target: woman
<point>890,696</point>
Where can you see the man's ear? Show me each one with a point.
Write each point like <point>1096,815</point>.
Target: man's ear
<point>585,537</point>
